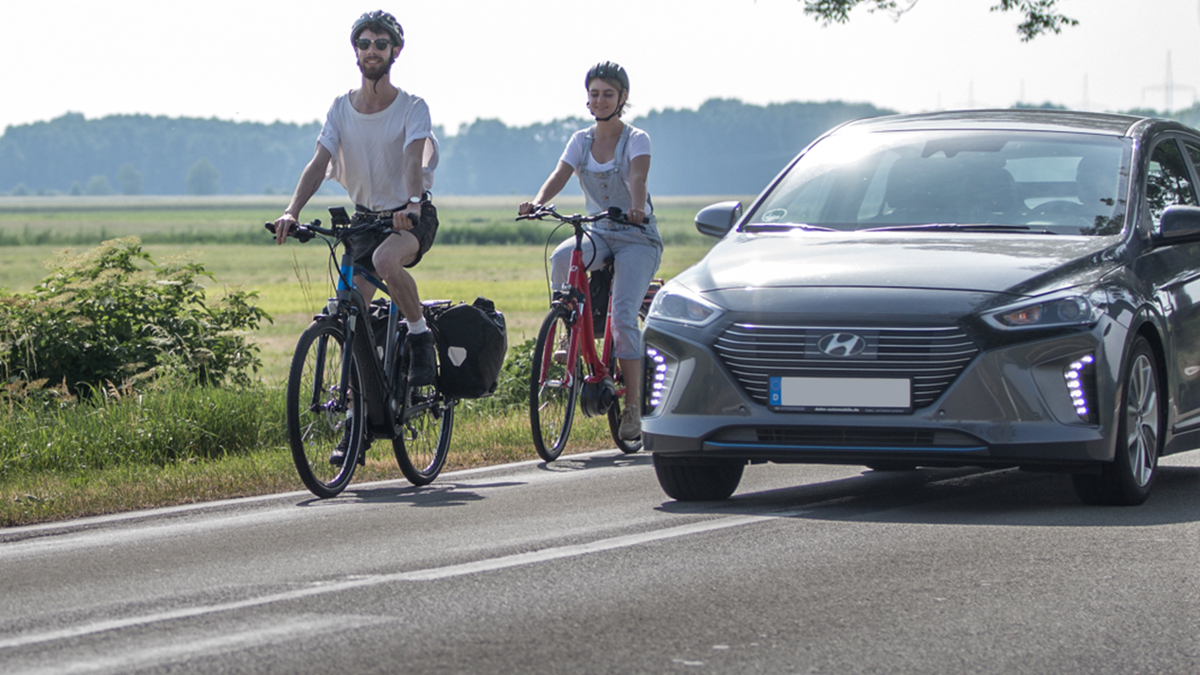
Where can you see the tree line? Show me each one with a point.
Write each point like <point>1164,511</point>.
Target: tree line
<point>723,147</point>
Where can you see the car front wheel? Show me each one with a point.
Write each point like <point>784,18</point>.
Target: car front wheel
<point>692,480</point>
<point>1126,481</point>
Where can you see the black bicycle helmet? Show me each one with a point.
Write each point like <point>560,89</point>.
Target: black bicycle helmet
<point>378,21</point>
<point>609,71</point>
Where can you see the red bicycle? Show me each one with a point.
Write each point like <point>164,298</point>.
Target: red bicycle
<point>567,342</point>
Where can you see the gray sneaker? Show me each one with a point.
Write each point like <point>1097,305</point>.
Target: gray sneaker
<point>631,425</point>
<point>338,456</point>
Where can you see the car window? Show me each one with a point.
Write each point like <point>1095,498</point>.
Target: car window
<point>1064,183</point>
<point>1193,151</point>
<point>1167,181</point>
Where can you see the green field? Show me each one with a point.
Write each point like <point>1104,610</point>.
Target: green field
<point>226,236</point>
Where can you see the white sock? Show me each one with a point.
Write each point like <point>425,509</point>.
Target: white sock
<point>417,327</point>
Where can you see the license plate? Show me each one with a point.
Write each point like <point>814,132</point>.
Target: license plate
<point>841,394</point>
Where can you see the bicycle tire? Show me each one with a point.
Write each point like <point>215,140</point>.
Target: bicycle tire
<point>426,425</point>
<point>614,413</point>
<point>551,404</point>
<point>315,420</point>
<point>614,417</point>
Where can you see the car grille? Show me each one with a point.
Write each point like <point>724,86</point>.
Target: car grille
<point>931,358</point>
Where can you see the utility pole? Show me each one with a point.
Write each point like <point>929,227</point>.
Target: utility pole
<point>1168,88</point>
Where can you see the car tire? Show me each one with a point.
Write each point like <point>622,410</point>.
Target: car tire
<point>1126,481</point>
<point>689,480</point>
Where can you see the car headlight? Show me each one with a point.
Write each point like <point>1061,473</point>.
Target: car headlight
<point>683,306</point>
<point>1061,311</point>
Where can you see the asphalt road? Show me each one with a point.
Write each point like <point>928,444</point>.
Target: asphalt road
<point>584,566</point>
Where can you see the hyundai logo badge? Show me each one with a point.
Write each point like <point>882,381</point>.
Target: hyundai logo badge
<point>842,344</point>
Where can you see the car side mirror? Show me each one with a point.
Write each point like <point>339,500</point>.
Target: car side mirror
<point>716,220</point>
<point>1179,224</point>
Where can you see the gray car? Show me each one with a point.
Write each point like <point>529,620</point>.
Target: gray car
<point>1009,288</point>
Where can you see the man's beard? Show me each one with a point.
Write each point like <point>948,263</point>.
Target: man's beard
<point>376,72</point>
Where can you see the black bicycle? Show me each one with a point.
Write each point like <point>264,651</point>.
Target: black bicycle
<point>348,383</point>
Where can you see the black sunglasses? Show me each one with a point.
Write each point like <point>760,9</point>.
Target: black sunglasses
<point>381,44</point>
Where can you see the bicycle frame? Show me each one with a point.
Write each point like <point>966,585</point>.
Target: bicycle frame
<point>582,340</point>
<point>379,382</point>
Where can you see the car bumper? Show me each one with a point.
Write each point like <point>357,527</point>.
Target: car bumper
<point>1008,407</point>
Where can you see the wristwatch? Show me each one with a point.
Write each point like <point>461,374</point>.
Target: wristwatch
<point>414,200</point>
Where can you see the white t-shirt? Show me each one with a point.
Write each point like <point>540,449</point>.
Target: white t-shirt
<point>637,145</point>
<point>368,150</point>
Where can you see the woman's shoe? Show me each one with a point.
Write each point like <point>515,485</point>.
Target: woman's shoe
<point>631,425</point>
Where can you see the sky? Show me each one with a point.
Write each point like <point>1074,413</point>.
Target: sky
<point>523,61</point>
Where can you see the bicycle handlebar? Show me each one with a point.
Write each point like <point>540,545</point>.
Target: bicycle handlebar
<point>306,231</point>
<point>613,213</point>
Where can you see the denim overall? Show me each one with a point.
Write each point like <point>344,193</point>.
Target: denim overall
<point>636,252</point>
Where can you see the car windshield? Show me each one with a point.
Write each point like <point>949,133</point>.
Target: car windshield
<point>1038,182</point>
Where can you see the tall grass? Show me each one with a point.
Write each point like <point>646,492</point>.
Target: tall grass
<point>169,422</point>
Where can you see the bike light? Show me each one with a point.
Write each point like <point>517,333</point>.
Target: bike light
<point>1080,379</point>
<point>659,369</point>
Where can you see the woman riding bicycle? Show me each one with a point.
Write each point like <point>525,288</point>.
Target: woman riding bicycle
<point>612,160</point>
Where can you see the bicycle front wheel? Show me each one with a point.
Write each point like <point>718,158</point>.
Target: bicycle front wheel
<point>317,421</point>
<point>553,385</point>
<point>614,415</point>
<point>426,424</point>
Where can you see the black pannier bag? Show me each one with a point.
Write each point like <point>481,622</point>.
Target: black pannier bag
<point>472,342</point>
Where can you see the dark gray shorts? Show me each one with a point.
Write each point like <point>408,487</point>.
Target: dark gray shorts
<point>362,245</point>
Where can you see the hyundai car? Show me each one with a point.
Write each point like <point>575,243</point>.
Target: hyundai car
<point>1004,288</point>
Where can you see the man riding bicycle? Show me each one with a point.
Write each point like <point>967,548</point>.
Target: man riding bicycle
<point>378,143</point>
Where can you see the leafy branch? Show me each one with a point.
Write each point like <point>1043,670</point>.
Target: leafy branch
<point>1040,16</point>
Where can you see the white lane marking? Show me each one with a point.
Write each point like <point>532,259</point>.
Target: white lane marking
<point>128,660</point>
<point>435,573</point>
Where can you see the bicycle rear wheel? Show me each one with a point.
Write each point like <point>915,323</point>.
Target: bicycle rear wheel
<point>426,424</point>
<point>317,422</point>
<point>552,395</point>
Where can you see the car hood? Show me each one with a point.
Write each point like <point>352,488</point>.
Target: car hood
<point>1016,265</point>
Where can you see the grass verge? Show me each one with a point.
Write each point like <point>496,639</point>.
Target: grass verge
<point>211,444</point>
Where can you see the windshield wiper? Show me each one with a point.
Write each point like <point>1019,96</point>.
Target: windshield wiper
<point>978,227</point>
<point>784,227</point>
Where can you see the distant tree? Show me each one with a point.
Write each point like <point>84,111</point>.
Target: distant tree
<point>98,186</point>
<point>202,178</point>
<point>76,189</point>
<point>1042,106</point>
<point>1040,15</point>
<point>20,190</point>
<point>130,180</point>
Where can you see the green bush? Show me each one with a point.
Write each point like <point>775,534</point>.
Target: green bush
<point>111,315</point>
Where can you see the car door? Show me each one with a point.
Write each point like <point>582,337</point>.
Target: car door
<point>1174,271</point>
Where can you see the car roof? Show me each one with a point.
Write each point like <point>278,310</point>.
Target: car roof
<point>1016,119</point>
